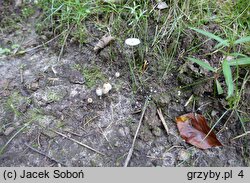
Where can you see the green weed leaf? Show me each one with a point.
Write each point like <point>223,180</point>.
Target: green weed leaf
<point>240,61</point>
<point>228,77</point>
<point>202,64</point>
<point>212,36</point>
<point>242,40</point>
<point>218,86</point>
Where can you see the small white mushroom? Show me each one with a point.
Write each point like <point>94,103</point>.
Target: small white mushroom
<point>117,74</point>
<point>179,92</point>
<point>98,91</point>
<point>132,41</point>
<point>90,100</point>
<point>106,88</point>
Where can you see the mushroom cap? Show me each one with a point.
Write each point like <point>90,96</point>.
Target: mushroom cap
<point>106,88</point>
<point>132,41</point>
<point>117,74</point>
<point>98,91</point>
<point>90,100</point>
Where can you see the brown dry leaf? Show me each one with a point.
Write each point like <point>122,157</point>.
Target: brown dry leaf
<point>193,129</point>
<point>104,41</point>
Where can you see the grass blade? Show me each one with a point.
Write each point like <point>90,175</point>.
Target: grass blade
<point>218,86</point>
<point>202,64</point>
<point>235,54</point>
<point>228,77</point>
<point>240,61</point>
<point>242,40</point>
<point>220,45</point>
<point>212,36</point>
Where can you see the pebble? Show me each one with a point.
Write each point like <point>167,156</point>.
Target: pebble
<point>124,131</point>
<point>183,155</point>
<point>9,130</point>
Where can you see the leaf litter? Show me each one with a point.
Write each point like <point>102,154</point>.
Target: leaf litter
<point>194,130</point>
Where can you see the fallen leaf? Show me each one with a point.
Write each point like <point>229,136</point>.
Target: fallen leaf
<point>193,129</point>
<point>103,42</point>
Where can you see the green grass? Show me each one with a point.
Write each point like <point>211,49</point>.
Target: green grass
<point>160,32</point>
<point>14,101</point>
<point>92,75</point>
<point>225,63</point>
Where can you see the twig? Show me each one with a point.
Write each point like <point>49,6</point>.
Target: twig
<point>38,139</point>
<point>64,42</point>
<point>136,133</point>
<point>41,45</point>
<point>215,125</point>
<point>21,74</point>
<point>242,135</point>
<point>43,154</point>
<point>79,143</point>
<point>105,136</point>
<point>162,120</point>
<point>85,124</point>
<point>19,131</point>
<point>7,143</point>
<point>73,133</point>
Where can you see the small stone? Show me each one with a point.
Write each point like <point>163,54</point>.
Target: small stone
<point>76,77</point>
<point>9,131</point>
<point>183,155</point>
<point>124,131</point>
<point>90,100</point>
<point>162,5</point>
<point>168,159</point>
<point>117,74</point>
<point>34,86</point>
<point>157,131</point>
<point>18,3</point>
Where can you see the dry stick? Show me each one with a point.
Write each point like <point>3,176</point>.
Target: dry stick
<point>90,121</point>
<point>41,45</point>
<point>21,75</point>
<point>136,133</point>
<point>242,135</point>
<point>21,129</point>
<point>105,136</point>
<point>84,145</point>
<point>73,133</point>
<point>47,156</point>
<point>214,125</point>
<point>64,42</point>
<point>162,120</point>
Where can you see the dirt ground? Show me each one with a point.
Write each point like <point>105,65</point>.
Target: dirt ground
<point>44,107</point>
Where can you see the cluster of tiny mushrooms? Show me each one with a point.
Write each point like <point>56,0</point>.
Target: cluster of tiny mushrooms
<point>105,89</point>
